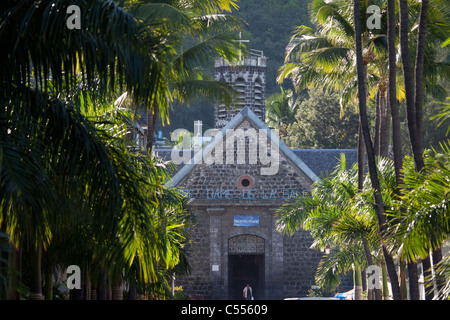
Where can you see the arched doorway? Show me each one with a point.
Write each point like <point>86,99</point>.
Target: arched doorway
<point>246,265</point>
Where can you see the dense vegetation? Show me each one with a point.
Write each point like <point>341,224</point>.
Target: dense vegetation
<point>74,189</point>
<point>398,211</point>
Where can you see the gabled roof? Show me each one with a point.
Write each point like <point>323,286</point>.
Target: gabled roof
<point>324,161</point>
<point>245,113</point>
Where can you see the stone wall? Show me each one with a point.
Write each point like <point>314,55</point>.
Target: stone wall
<point>290,264</point>
<point>300,264</point>
<point>197,282</point>
<point>221,181</point>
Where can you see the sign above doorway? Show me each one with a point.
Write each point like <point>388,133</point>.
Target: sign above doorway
<point>246,221</point>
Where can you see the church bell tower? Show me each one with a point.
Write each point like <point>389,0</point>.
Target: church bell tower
<point>249,78</point>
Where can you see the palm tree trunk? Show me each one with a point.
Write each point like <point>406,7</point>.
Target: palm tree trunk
<point>357,280</point>
<point>414,93</point>
<point>370,153</point>
<point>385,280</point>
<point>102,289</point>
<point>87,284</point>
<point>396,133</point>
<point>14,272</point>
<point>402,272</point>
<point>369,258</point>
<point>392,93</point>
<point>408,79</point>
<point>109,292</point>
<point>420,58</point>
<point>117,290</point>
<point>360,157</point>
<point>377,131</point>
<point>426,270</point>
<point>48,289</point>
<point>36,277</point>
<point>151,122</point>
<point>384,125</point>
<point>437,257</point>
<point>132,290</point>
<point>413,281</point>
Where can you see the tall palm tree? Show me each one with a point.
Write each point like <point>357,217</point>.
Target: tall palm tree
<point>54,140</point>
<point>415,82</point>
<point>442,274</point>
<point>334,35</point>
<point>396,133</point>
<point>337,57</point>
<point>325,59</point>
<point>370,152</point>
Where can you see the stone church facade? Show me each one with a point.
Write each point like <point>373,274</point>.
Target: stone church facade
<point>236,184</point>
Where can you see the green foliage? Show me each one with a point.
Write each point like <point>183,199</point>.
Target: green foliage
<point>444,116</point>
<point>323,56</point>
<point>180,294</point>
<point>192,34</point>
<point>281,109</point>
<point>441,278</point>
<point>5,249</point>
<point>426,224</point>
<point>69,180</point>
<point>342,219</point>
<point>318,124</point>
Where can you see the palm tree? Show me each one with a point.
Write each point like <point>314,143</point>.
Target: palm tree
<point>53,155</point>
<point>55,140</point>
<point>370,153</point>
<point>337,57</point>
<point>325,59</point>
<point>415,82</point>
<point>312,48</point>
<point>281,110</point>
<point>197,32</point>
<point>149,218</point>
<point>425,199</point>
<point>396,133</point>
<point>442,275</point>
<point>320,214</point>
<point>341,219</point>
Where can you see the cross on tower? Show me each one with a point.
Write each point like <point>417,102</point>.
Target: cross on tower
<point>198,128</point>
<point>240,46</point>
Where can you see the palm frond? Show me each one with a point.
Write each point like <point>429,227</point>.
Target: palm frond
<point>217,91</point>
<point>42,45</point>
<point>161,14</point>
<point>203,53</point>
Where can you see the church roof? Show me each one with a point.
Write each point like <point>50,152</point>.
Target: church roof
<point>323,161</point>
<point>314,163</point>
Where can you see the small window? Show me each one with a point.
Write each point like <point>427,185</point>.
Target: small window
<point>245,182</point>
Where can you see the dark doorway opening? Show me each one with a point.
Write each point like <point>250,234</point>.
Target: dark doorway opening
<point>246,269</point>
